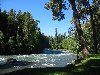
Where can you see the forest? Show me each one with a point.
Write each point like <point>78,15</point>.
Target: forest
<point>20,34</point>
<point>22,41</point>
<point>87,34</point>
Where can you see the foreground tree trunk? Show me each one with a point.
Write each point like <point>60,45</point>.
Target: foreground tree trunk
<point>79,30</point>
<point>57,7</point>
<point>94,32</point>
<point>81,38</point>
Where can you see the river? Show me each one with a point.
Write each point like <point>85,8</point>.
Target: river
<point>36,61</point>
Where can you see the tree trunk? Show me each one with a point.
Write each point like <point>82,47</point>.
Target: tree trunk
<point>81,38</point>
<point>79,30</point>
<point>94,32</point>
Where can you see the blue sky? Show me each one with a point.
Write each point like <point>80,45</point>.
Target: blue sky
<point>36,7</point>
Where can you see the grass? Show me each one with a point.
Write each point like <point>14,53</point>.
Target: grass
<point>90,66</point>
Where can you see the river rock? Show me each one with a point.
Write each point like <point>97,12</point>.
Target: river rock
<point>11,60</point>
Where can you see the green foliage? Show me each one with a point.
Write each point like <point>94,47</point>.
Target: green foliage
<point>97,27</point>
<point>81,9</point>
<point>19,33</point>
<point>56,7</point>
<point>61,41</point>
<point>69,43</point>
<point>88,35</point>
<point>58,14</point>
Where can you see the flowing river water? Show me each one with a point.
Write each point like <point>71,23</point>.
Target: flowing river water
<point>36,61</point>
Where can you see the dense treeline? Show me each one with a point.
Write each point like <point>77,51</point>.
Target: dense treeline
<point>19,33</point>
<point>71,42</point>
<point>82,9</point>
<point>62,41</point>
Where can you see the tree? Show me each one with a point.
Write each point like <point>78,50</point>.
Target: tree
<point>4,30</point>
<point>94,8</point>
<point>19,33</point>
<point>87,28</point>
<point>97,27</point>
<point>56,38</point>
<point>57,7</point>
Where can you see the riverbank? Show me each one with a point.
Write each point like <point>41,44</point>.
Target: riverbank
<point>90,66</point>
